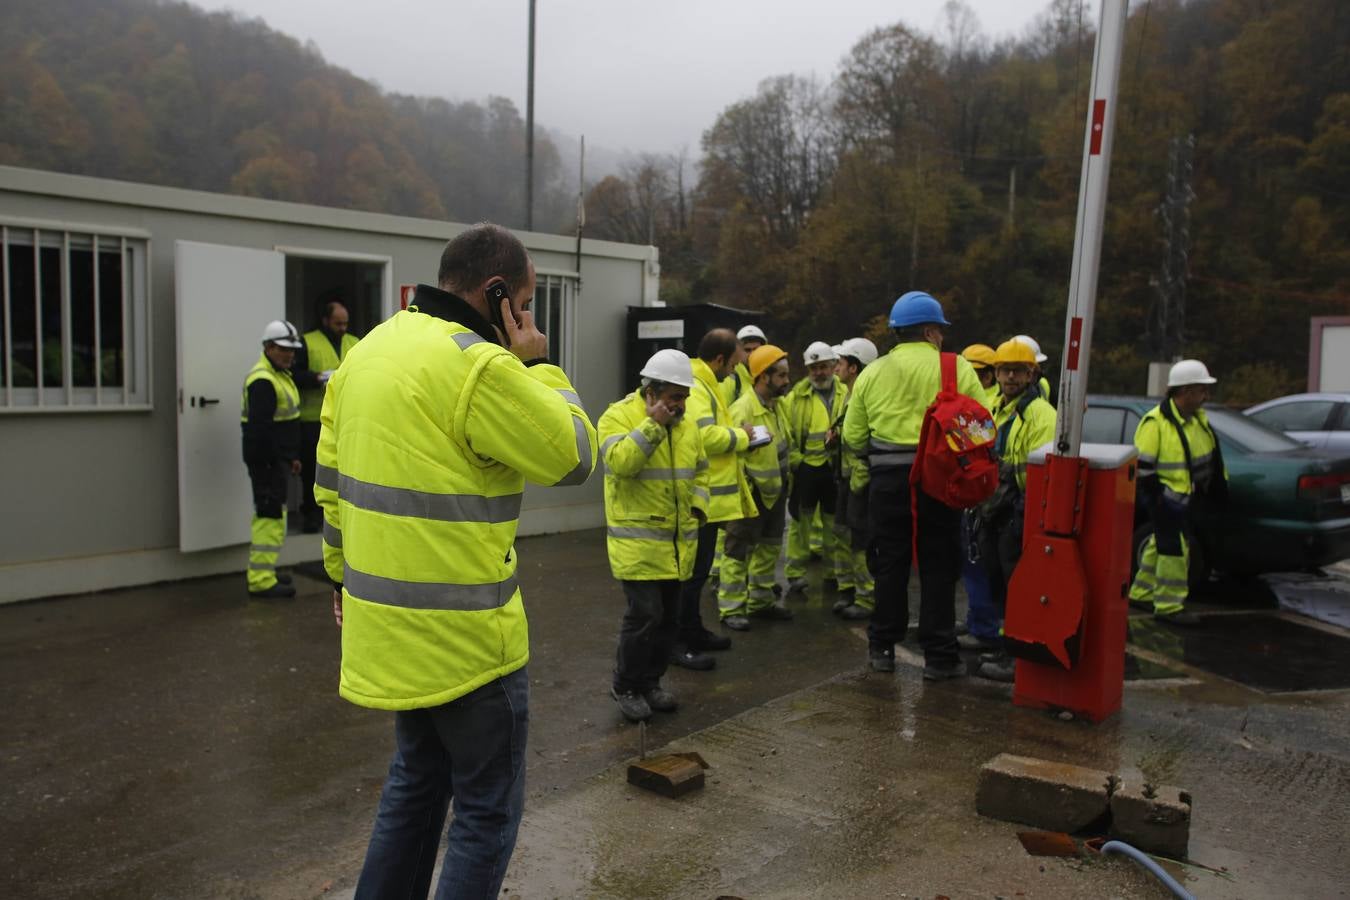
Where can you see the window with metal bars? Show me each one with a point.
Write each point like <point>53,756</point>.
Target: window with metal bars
<point>554,296</point>
<point>75,333</point>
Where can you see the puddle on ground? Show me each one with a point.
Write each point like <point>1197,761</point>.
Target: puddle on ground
<point>1259,650</point>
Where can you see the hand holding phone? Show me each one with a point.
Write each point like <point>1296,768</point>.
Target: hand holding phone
<point>518,333</point>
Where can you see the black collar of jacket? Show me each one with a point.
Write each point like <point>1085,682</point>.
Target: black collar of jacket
<point>451,308</point>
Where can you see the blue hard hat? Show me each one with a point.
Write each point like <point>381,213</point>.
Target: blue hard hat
<point>917,308</point>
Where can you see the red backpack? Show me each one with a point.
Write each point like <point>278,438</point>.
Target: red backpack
<point>955,462</point>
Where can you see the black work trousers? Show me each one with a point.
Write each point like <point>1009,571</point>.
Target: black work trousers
<point>269,482</point>
<point>1000,546</point>
<point>689,621</point>
<point>646,634</point>
<point>309,448</point>
<point>889,555</point>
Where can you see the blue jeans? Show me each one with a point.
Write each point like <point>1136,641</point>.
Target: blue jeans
<point>472,750</point>
<point>983,617</point>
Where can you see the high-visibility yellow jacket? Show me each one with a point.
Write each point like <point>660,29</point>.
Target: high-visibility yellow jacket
<point>885,412</point>
<point>737,383</point>
<point>1033,427</point>
<point>655,477</point>
<point>993,394</point>
<point>766,466</point>
<point>1161,453</point>
<point>288,395</point>
<point>852,468</point>
<point>322,358</point>
<point>810,422</point>
<point>430,429</point>
<point>725,444</point>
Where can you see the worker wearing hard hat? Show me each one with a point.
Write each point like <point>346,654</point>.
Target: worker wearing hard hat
<point>981,359</point>
<point>725,442</point>
<point>746,587</point>
<point>1025,422</point>
<point>656,498</point>
<point>1180,464</point>
<point>883,421</point>
<point>739,380</point>
<point>270,421</point>
<point>1041,381</point>
<point>813,406</point>
<point>855,583</point>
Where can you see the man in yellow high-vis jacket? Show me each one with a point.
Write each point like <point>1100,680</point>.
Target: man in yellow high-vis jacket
<point>269,418</point>
<point>855,580</point>
<point>431,427</point>
<point>813,406</point>
<point>656,499</point>
<point>321,352</point>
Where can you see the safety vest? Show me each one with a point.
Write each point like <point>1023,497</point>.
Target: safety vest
<point>322,358</point>
<point>725,445</point>
<point>810,421</point>
<point>655,477</point>
<point>288,395</point>
<point>766,466</point>
<point>1021,433</point>
<point>1161,453</point>
<point>429,432</point>
<point>885,412</point>
<point>737,384</point>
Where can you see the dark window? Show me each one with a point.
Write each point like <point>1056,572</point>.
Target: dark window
<point>1103,425</point>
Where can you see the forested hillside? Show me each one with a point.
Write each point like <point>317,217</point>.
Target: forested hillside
<point>951,164</point>
<point>148,90</point>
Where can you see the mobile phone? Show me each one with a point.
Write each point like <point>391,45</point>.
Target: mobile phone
<point>496,292</point>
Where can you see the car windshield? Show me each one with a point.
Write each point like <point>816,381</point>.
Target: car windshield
<point>1248,434</point>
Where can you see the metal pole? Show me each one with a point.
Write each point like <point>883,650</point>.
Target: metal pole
<point>529,132</point>
<point>1100,132</point>
<point>581,205</point>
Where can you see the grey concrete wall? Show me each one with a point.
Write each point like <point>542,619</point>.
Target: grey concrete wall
<point>79,485</point>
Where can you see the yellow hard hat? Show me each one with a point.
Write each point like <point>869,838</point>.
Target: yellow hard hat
<point>762,358</point>
<point>979,355</point>
<point>1014,351</point>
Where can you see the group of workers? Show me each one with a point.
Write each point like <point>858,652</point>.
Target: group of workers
<point>420,463</point>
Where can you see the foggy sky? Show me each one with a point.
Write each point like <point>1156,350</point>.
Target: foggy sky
<point>628,74</point>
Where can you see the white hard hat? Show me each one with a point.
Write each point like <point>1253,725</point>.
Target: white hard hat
<point>861,349</point>
<point>282,333</point>
<point>751,331</point>
<point>1035,347</point>
<point>670,366</point>
<point>819,351</point>
<point>1189,371</point>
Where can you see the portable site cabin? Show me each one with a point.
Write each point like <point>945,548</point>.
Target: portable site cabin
<point>132,312</point>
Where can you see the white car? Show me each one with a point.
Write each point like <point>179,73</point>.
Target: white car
<point>1317,420</point>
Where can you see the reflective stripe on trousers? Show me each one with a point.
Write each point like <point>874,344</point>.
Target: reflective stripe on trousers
<point>1162,580</point>
<point>267,536</point>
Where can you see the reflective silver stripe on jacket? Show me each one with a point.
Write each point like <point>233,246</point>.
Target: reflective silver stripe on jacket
<point>326,477</point>
<point>817,435</point>
<point>706,421</point>
<point>764,474</point>
<point>702,464</point>
<point>881,460</point>
<point>723,490</point>
<point>427,594</point>
<point>641,440</point>
<point>878,445</point>
<point>610,442</point>
<point>424,505</point>
<point>701,492</point>
<point>582,470</point>
<point>571,397</point>
<point>468,339</point>
<point>331,535</point>
<point>630,532</point>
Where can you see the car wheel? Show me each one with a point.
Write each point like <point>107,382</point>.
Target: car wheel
<point>1198,569</point>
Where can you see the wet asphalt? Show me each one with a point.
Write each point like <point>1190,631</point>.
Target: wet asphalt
<point>183,741</point>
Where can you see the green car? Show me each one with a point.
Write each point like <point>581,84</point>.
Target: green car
<point>1288,507</point>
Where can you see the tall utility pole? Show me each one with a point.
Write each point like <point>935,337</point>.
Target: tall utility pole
<point>1167,323</point>
<point>529,132</point>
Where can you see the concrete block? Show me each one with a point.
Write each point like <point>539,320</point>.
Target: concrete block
<point>1154,818</point>
<point>1050,795</point>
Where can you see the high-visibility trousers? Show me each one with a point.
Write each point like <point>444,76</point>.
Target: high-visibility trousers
<point>851,571</point>
<point>268,530</point>
<point>1162,578</point>
<point>813,492</point>
<point>817,529</point>
<point>750,563</point>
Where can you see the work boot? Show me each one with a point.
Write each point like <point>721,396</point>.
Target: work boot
<point>855,613</point>
<point>796,586</point>
<point>736,623</point>
<point>998,669</point>
<point>283,578</point>
<point>632,705</point>
<point>1145,605</point>
<point>277,590</point>
<point>971,642</point>
<point>660,699</point>
<point>777,610</point>
<point>686,658</point>
<point>932,672</point>
<point>830,584</point>
<point>1181,619</point>
<point>845,599</point>
<point>962,628</point>
<point>709,641</point>
<point>881,659</point>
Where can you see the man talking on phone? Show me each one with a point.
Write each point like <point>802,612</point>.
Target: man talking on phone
<point>430,429</point>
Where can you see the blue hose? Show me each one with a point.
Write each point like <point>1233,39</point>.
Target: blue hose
<point>1147,862</point>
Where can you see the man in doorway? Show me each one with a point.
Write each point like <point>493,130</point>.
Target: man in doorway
<point>270,422</point>
<point>323,350</point>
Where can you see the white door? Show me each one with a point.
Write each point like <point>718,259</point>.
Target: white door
<point>223,297</point>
